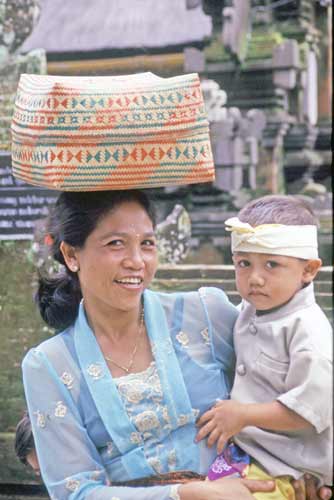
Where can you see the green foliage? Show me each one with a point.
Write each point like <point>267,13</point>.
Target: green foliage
<point>7,245</point>
<point>20,327</point>
<point>215,51</point>
<point>262,43</point>
<point>11,468</point>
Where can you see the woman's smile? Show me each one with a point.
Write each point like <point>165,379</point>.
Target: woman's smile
<point>119,258</point>
<point>130,282</point>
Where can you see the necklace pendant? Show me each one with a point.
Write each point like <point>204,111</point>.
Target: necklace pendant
<point>129,367</point>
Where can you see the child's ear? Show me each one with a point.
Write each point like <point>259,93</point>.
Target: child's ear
<point>311,269</point>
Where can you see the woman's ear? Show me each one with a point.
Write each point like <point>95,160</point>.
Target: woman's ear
<point>70,257</point>
<point>311,269</point>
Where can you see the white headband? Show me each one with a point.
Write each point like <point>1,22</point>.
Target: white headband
<point>277,239</point>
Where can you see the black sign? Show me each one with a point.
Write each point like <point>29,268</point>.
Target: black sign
<point>21,205</point>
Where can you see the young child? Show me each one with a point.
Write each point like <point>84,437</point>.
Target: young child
<point>280,410</point>
<point>25,445</point>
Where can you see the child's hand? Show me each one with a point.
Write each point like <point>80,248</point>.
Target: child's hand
<point>220,423</point>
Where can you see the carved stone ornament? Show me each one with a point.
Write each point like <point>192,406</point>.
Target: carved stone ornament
<point>17,19</point>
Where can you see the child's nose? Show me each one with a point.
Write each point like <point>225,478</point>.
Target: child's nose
<point>256,278</point>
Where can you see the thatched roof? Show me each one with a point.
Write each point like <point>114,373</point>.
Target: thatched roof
<point>95,25</point>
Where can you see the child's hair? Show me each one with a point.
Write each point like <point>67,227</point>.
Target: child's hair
<point>24,439</point>
<point>278,209</point>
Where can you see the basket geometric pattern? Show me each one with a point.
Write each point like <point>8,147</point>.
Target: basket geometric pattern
<point>99,133</point>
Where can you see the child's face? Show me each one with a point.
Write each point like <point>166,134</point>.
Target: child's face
<point>32,460</point>
<point>267,281</point>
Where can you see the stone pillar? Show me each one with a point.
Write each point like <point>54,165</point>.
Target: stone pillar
<point>324,25</point>
<point>234,139</point>
<point>276,71</point>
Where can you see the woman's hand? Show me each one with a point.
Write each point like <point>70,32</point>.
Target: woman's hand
<point>223,421</point>
<point>224,489</point>
<point>306,489</point>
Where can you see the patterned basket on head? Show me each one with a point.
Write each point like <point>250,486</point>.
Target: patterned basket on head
<point>99,133</point>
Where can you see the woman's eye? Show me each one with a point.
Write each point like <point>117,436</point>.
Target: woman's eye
<point>272,264</point>
<point>149,243</point>
<point>115,243</point>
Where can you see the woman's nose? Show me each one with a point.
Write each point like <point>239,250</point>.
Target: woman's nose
<point>134,258</point>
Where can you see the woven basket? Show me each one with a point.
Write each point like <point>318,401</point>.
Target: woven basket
<point>99,133</point>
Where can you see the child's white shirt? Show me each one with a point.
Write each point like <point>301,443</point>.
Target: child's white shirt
<point>286,355</point>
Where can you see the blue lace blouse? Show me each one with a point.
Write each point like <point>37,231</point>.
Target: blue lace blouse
<point>92,429</point>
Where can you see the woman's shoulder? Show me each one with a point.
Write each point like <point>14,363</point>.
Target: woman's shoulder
<point>52,347</point>
<point>209,301</point>
<point>194,295</point>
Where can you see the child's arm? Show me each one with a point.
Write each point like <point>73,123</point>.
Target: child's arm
<point>227,418</point>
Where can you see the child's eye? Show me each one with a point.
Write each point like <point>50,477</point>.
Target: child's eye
<point>243,263</point>
<point>272,264</point>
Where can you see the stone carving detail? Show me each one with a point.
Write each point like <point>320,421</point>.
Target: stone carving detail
<point>17,18</point>
<point>173,236</point>
<point>215,99</point>
<point>234,139</point>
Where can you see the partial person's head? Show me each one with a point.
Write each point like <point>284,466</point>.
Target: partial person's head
<point>105,241</point>
<point>278,258</point>
<point>24,444</point>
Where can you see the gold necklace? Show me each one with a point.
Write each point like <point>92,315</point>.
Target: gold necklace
<point>127,369</point>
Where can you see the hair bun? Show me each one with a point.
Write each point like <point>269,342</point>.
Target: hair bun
<point>58,299</point>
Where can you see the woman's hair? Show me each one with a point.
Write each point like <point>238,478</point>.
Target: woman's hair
<point>278,209</point>
<point>73,218</point>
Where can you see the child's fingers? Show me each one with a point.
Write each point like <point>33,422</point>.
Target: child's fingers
<point>205,430</point>
<point>299,487</point>
<point>204,418</point>
<point>214,435</point>
<point>221,443</point>
<point>325,493</point>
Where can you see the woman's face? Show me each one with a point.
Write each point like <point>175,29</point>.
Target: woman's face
<point>119,258</point>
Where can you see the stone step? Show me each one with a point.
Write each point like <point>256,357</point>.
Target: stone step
<point>187,284</point>
<point>13,491</point>
<point>11,469</point>
<point>193,271</point>
<point>171,278</point>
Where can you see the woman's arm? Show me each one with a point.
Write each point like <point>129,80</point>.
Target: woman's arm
<point>224,489</point>
<point>71,466</point>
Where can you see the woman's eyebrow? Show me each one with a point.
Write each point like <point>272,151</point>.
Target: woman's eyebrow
<point>123,234</point>
<point>112,233</point>
<point>150,234</point>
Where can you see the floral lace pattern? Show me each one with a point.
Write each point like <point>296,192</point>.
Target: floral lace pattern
<point>67,380</point>
<point>72,484</point>
<point>143,398</point>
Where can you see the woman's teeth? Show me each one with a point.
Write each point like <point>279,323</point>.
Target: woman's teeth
<point>130,281</point>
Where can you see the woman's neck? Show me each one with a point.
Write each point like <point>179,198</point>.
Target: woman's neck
<point>112,323</point>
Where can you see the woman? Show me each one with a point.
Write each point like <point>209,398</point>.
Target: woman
<point>115,395</point>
